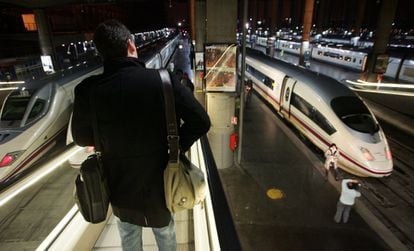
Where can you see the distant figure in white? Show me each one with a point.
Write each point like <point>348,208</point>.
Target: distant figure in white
<point>349,191</point>
<point>331,160</point>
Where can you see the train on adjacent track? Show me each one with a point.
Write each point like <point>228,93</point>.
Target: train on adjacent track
<point>31,121</point>
<point>401,69</point>
<point>325,112</point>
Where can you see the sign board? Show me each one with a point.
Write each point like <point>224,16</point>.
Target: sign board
<point>220,67</point>
<point>47,64</point>
<point>381,63</point>
<point>199,59</point>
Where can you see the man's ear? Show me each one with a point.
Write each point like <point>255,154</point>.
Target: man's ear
<point>132,50</point>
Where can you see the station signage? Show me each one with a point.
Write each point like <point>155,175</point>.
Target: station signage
<point>220,67</point>
<point>381,63</point>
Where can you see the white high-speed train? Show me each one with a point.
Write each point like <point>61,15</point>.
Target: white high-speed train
<point>326,112</point>
<point>30,123</point>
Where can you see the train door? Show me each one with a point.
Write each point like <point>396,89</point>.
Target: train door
<point>285,94</point>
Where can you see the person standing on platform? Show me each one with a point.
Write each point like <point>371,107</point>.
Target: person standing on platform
<point>331,159</point>
<point>128,103</point>
<point>349,191</point>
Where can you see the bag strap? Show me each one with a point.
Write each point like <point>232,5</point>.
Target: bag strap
<point>94,121</point>
<point>170,116</point>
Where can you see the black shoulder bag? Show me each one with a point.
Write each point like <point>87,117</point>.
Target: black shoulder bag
<point>91,190</point>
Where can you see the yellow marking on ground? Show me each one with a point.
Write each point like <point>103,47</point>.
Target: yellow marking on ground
<point>274,193</point>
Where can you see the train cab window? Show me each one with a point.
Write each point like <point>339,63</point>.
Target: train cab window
<point>23,107</point>
<point>14,108</point>
<point>269,82</point>
<point>353,112</point>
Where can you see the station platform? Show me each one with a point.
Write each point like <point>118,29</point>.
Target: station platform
<point>301,216</point>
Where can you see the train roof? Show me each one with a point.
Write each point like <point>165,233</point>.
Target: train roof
<point>329,87</point>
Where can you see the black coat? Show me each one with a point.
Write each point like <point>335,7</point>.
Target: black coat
<point>132,133</point>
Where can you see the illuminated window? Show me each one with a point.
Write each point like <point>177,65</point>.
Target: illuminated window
<point>29,22</point>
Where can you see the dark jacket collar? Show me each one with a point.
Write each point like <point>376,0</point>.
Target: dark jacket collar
<point>115,64</point>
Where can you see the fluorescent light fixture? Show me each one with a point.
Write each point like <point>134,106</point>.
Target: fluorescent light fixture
<point>11,82</point>
<point>9,88</point>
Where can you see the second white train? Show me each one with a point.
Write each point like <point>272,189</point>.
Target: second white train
<point>326,112</point>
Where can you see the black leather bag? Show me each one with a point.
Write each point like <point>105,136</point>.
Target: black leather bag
<point>91,191</point>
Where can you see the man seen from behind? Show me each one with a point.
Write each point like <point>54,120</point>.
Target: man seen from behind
<point>129,105</point>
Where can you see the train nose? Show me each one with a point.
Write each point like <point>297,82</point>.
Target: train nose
<point>378,160</point>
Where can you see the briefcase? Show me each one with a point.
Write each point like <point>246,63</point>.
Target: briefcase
<point>91,190</point>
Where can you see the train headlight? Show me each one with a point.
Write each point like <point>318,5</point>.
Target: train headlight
<point>388,153</point>
<point>9,158</point>
<point>367,154</point>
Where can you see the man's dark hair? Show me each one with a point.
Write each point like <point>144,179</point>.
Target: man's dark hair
<point>111,39</point>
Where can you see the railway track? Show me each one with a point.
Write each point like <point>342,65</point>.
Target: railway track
<point>391,199</point>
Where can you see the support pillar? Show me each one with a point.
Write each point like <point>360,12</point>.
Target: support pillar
<point>360,16</point>
<point>273,15</point>
<point>221,27</point>
<point>45,35</point>
<point>307,25</point>
<point>192,24</point>
<point>384,25</point>
<point>200,38</point>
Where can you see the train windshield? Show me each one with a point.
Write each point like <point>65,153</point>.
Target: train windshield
<point>353,112</point>
<point>24,106</point>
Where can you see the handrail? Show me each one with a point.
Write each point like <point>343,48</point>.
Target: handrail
<point>228,237</point>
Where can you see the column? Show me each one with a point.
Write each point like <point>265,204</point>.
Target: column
<point>221,28</point>
<point>307,25</point>
<point>273,15</point>
<point>45,35</point>
<point>360,16</point>
<point>384,25</point>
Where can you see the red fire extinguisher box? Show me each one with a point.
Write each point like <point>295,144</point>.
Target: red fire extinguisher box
<point>233,141</point>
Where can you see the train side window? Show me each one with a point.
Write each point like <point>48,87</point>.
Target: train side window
<point>269,82</point>
<point>260,76</point>
<point>354,60</point>
<point>301,105</point>
<point>38,106</point>
<point>312,113</point>
<point>322,122</point>
<point>360,61</point>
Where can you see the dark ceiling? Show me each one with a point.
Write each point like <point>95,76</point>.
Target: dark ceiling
<point>53,3</point>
